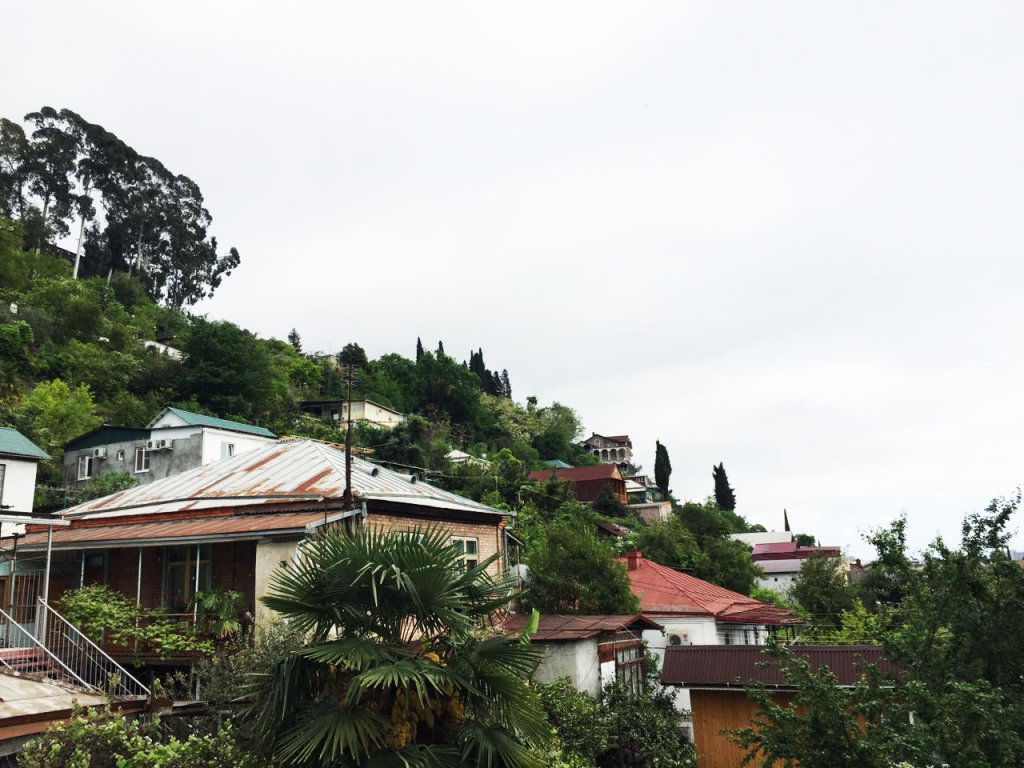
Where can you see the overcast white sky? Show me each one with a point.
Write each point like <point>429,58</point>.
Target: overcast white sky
<point>783,236</point>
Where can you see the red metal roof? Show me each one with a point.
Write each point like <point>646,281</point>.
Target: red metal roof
<point>84,533</point>
<point>665,591</point>
<point>789,550</point>
<point>579,474</point>
<point>556,628</point>
<point>726,666</point>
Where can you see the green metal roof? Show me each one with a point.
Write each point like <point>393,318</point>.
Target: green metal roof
<point>557,464</point>
<point>199,420</point>
<point>13,443</point>
<point>106,435</point>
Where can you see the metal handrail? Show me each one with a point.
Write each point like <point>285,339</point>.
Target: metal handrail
<point>46,651</point>
<point>98,659</point>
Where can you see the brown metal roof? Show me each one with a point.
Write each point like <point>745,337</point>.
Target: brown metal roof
<point>285,471</point>
<point>555,628</point>
<point>579,474</point>
<point>727,666</point>
<point>119,532</point>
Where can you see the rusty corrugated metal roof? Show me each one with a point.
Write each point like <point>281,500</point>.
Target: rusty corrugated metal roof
<point>84,534</point>
<point>285,471</point>
<point>554,627</point>
<point>726,666</point>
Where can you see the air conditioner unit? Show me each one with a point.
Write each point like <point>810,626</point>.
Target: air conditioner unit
<point>683,639</point>
<point>159,445</point>
<point>100,453</point>
<point>151,444</point>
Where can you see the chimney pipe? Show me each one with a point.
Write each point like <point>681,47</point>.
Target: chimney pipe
<point>633,560</point>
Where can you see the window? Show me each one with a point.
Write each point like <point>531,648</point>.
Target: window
<point>629,667</point>
<point>120,455</point>
<point>227,450</point>
<point>142,460</point>
<point>86,467</point>
<point>180,573</point>
<point>466,550</point>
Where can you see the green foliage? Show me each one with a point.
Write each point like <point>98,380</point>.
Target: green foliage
<point>721,560</point>
<point>823,589</point>
<point>572,571</point>
<point>104,485</point>
<point>105,740</point>
<point>608,504</point>
<point>52,413</point>
<point>804,539</point>
<point>581,726</point>
<point>104,614</point>
<point>662,468</point>
<point>825,726</point>
<point>856,627</point>
<point>669,543</point>
<point>952,627</point>
<point>394,667</point>
<point>725,497</point>
<point>219,610</point>
<point>644,726</point>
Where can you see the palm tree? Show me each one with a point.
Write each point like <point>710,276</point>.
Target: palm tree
<point>397,670</point>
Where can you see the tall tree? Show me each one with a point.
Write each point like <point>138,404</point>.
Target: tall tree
<point>14,170</point>
<point>574,572</point>
<point>419,349</point>
<point>725,497</point>
<point>354,356</point>
<point>506,386</point>
<point>395,671</point>
<point>295,340</point>
<point>662,468</point>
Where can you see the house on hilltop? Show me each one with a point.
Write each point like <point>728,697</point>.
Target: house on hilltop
<point>614,449</point>
<point>175,441</point>
<point>230,524</point>
<point>336,412</point>
<point>587,482</point>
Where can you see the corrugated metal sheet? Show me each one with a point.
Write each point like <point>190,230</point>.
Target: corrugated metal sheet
<point>285,471</point>
<point>201,420</point>
<point>13,443</point>
<point>579,474</point>
<point>202,528</point>
<point>723,666</point>
<point>554,627</point>
<point>662,590</point>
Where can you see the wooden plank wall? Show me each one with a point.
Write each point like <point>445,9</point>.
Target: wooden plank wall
<point>715,710</point>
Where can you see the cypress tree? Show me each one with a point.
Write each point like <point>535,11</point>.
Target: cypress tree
<point>662,468</point>
<point>506,387</point>
<point>725,497</point>
<point>440,349</point>
<point>419,349</point>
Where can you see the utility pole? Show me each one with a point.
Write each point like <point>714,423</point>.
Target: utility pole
<point>347,498</point>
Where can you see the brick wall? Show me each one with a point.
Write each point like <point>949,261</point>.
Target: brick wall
<point>487,534</point>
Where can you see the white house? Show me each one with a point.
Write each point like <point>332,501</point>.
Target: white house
<point>173,442</point>
<point>19,459</point>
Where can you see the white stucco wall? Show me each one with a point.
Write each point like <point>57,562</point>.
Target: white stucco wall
<point>19,489</point>
<point>214,438</point>
<point>269,556</point>
<point>575,660</point>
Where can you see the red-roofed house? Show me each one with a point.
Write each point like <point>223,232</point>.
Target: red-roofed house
<point>696,612</point>
<point>587,482</point>
<point>782,561</point>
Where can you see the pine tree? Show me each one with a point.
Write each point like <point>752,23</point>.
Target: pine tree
<point>506,387</point>
<point>662,468</point>
<point>419,349</point>
<point>440,350</point>
<point>725,497</point>
<point>495,388</point>
<point>294,340</point>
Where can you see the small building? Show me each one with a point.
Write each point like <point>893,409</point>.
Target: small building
<point>587,482</point>
<point>715,679</point>
<point>613,449</point>
<point>461,457</point>
<point>589,650</point>
<point>175,441</point>
<point>336,412</point>
<point>781,562</point>
<point>19,460</point>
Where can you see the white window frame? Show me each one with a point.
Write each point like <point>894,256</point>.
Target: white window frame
<point>86,467</point>
<point>461,545</point>
<point>227,450</point>
<point>146,458</point>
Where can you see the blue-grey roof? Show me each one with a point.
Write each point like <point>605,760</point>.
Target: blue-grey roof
<point>557,464</point>
<point>199,420</point>
<point>13,443</point>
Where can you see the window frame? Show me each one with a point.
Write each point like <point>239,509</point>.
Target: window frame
<point>87,462</point>
<point>145,454</point>
<point>469,559</point>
